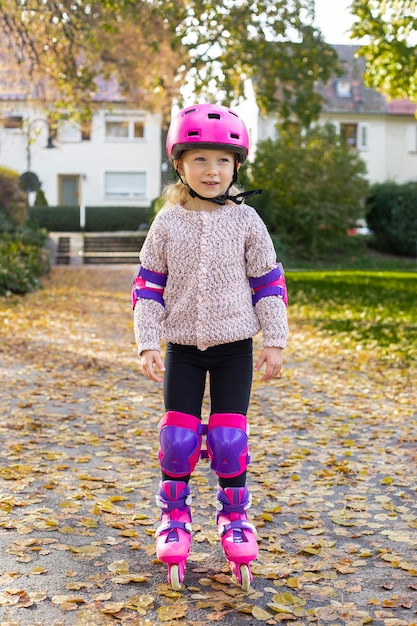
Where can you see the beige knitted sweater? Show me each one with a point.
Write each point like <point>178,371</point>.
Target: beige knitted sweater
<point>209,257</point>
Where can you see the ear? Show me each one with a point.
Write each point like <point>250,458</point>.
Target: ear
<point>178,166</point>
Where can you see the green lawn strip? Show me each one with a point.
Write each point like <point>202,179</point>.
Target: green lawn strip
<point>370,308</point>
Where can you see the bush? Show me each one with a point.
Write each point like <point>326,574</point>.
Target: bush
<point>59,219</point>
<point>12,200</point>
<point>391,214</point>
<point>98,218</point>
<point>23,260</point>
<point>314,189</point>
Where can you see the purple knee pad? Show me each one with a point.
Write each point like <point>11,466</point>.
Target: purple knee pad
<point>180,443</point>
<point>227,444</point>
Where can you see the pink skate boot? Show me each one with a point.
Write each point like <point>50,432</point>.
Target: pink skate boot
<point>238,536</point>
<point>173,536</point>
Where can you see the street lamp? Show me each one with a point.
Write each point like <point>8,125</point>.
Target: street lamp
<point>29,181</point>
<point>50,141</point>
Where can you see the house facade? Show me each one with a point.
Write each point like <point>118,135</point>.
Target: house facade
<point>113,161</point>
<point>383,132</point>
<point>117,159</point>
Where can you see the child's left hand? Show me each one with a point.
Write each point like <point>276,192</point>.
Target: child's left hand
<point>272,358</point>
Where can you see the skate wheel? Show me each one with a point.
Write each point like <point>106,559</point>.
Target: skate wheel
<point>174,575</point>
<point>245,577</point>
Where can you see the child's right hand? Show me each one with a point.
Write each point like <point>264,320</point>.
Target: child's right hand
<point>149,361</point>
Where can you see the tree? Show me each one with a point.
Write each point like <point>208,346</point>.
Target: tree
<point>152,48</point>
<point>12,200</point>
<point>391,54</point>
<point>314,188</point>
<point>71,50</point>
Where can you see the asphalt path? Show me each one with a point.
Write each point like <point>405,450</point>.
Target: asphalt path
<point>333,478</point>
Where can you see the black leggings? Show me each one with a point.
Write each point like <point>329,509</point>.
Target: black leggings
<point>230,368</point>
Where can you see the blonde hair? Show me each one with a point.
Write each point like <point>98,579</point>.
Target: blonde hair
<point>177,193</point>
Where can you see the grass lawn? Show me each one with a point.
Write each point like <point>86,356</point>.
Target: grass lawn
<point>358,297</point>
<point>370,309</point>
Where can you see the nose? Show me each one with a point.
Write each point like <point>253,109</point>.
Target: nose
<point>212,168</point>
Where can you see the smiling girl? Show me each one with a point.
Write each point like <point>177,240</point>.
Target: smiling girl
<point>207,283</point>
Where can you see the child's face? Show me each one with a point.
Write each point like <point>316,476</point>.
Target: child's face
<point>208,172</point>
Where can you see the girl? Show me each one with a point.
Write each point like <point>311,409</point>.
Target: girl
<point>208,281</point>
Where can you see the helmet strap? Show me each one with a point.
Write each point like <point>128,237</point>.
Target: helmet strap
<point>223,197</point>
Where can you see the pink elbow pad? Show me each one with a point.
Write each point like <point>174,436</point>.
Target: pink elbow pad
<point>270,284</point>
<point>149,285</point>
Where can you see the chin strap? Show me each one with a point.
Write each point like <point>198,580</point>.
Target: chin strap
<point>223,197</point>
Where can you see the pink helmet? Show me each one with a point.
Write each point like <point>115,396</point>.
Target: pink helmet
<point>208,126</point>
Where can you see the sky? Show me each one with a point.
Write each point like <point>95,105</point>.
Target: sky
<point>334,19</point>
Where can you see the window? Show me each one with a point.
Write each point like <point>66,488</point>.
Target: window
<point>125,184</point>
<point>13,122</point>
<point>69,132</point>
<point>343,89</point>
<point>355,135</point>
<point>122,127</point>
<point>349,134</point>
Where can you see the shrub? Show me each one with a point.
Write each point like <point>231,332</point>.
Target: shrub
<point>314,189</point>
<point>23,260</point>
<point>12,200</point>
<point>98,218</point>
<point>391,214</point>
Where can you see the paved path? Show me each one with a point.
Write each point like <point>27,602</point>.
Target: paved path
<point>333,477</point>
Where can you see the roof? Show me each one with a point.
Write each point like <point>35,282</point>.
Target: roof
<point>360,99</point>
<point>16,84</point>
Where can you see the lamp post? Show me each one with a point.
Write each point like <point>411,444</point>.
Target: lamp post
<point>49,143</point>
<point>28,181</point>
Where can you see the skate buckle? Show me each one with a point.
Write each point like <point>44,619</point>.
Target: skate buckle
<point>173,504</point>
<point>172,525</point>
<point>236,525</point>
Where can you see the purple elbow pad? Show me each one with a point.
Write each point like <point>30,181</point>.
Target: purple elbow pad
<point>149,285</point>
<point>180,443</point>
<point>227,444</point>
<point>270,284</point>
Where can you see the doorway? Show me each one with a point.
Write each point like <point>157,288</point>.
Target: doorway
<point>69,189</point>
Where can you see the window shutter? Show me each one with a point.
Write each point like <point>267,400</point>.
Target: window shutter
<point>363,136</point>
<point>411,138</point>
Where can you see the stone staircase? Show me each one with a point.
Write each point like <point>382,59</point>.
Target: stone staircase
<point>96,248</point>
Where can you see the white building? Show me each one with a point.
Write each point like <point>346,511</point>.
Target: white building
<point>114,161</point>
<point>117,160</point>
<point>384,132</point>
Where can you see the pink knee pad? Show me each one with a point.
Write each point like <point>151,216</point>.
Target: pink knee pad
<point>227,444</point>
<point>180,443</point>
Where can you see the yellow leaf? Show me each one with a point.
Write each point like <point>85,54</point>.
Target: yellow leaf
<point>169,613</point>
<point>260,614</point>
<point>38,570</point>
<point>288,599</point>
<point>387,480</point>
<point>120,567</point>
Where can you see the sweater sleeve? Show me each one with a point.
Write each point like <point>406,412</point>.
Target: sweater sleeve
<point>149,315</point>
<point>261,259</point>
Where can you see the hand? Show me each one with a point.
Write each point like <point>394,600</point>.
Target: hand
<point>150,360</point>
<point>272,358</point>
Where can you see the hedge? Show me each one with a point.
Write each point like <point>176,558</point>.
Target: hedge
<point>391,214</point>
<point>67,218</point>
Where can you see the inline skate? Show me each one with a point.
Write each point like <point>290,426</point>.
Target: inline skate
<point>238,536</point>
<point>173,536</point>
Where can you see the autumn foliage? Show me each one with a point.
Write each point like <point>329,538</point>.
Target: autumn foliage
<point>333,471</point>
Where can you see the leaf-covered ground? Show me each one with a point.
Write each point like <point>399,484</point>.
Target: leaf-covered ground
<point>333,475</point>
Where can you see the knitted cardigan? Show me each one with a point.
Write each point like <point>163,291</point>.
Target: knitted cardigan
<point>209,257</point>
